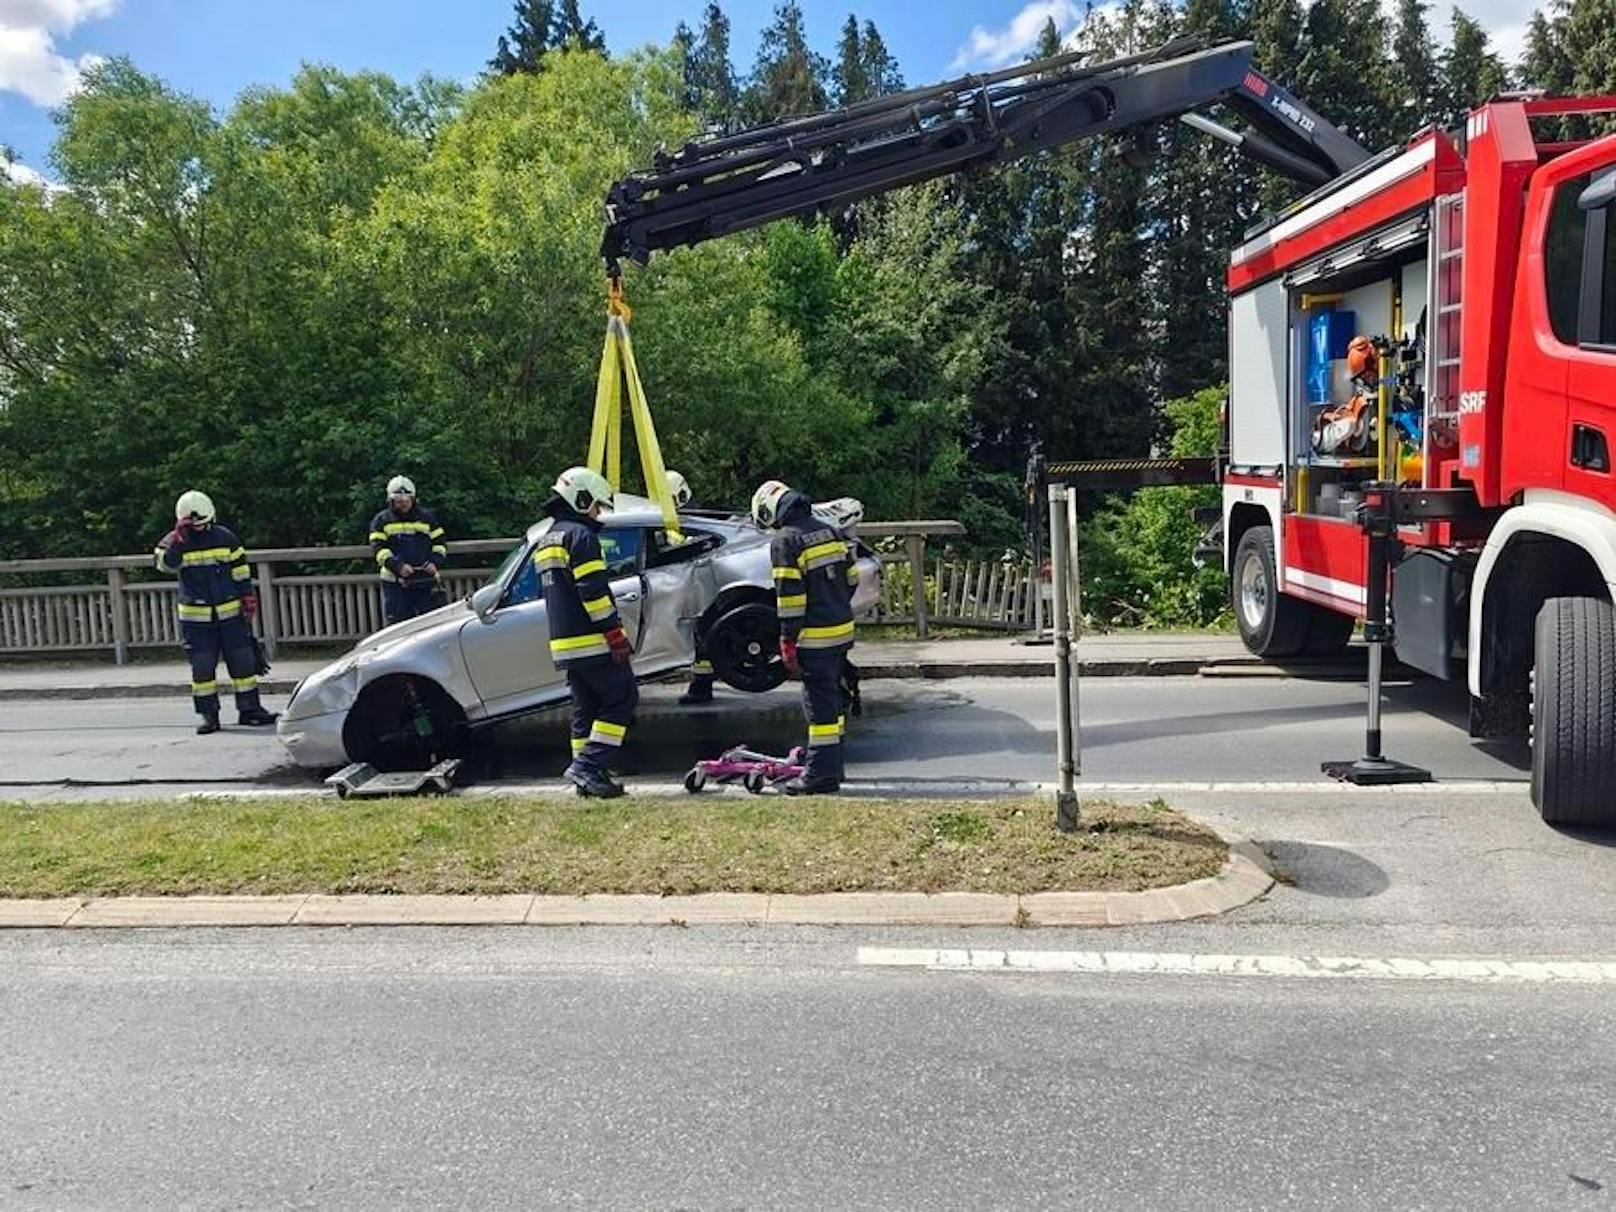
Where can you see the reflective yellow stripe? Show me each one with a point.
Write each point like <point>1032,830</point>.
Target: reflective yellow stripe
<point>204,688</point>
<point>246,683</point>
<point>194,612</point>
<point>377,536</point>
<point>821,553</point>
<point>241,572</point>
<point>578,743</point>
<point>578,645</point>
<point>209,555</point>
<point>384,555</point>
<point>588,567</point>
<point>437,532</point>
<point>852,574</point>
<point>825,637</point>
<point>824,729</point>
<point>608,733</point>
<point>550,557</point>
<point>702,668</point>
<point>824,734</point>
<point>787,574</point>
<point>793,607</point>
<point>407,528</point>
<point>599,608</point>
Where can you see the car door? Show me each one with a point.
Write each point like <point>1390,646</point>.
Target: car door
<point>507,653</point>
<point>679,585</point>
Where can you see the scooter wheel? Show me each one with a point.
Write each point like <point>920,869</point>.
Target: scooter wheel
<point>756,782</point>
<point>695,780</point>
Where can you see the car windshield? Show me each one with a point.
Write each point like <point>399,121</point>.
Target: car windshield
<point>510,561</point>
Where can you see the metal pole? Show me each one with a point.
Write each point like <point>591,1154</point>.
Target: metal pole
<point>1074,599</point>
<point>1060,553</point>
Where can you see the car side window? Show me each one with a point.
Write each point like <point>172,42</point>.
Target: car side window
<point>621,547</point>
<point>662,551</point>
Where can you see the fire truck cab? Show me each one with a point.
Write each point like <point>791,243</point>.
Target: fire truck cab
<point>1444,317</point>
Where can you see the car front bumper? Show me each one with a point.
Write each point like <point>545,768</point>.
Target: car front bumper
<point>314,741</point>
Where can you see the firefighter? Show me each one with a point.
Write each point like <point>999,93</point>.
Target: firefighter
<point>586,636</point>
<point>814,577</point>
<point>700,691</point>
<point>216,609</point>
<point>410,552</point>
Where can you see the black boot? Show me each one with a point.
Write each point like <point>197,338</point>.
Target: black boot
<point>594,784</point>
<point>209,724</point>
<point>803,785</point>
<point>699,694</point>
<point>257,717</point>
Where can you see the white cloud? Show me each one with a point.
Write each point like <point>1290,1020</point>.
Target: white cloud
<point>30,64</point>
<point>21,174</point>
<point>1016,40</point>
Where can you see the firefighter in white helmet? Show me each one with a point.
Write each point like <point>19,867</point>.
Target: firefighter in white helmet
<point>587,639</point>
<point>410,552</point>
<point>815,574</point>
<point>700,691</point>
<point>216,609</point>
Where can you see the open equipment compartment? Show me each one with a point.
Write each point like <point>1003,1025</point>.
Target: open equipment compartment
<point>1379,287</point>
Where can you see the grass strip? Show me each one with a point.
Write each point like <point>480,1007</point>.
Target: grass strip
<point>567,846</point>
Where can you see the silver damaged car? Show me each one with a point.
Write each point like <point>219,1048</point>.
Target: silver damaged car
<point>417,691</point>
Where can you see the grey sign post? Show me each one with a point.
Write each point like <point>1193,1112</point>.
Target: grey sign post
<point>1063,554</point>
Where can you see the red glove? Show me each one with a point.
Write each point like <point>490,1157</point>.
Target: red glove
<point>181,531</point>
<point>618,643</point>
<point>788,657</point>
<point>249,606</point>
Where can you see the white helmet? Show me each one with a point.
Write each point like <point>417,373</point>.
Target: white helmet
<point>197,506</point>
<point>582,488</point>
<point>766,503</point>
<point>678,489</point>
<point>400,486</point>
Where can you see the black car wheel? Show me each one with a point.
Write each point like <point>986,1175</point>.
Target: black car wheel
<point>744,647</point>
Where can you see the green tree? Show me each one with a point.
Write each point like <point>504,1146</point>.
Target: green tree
<point>522,47</point>
<point>710,73</point>
<point>788,78</point>
<point>1343,69</point>
<point>880,64</point>
<point>1471,71</point>
<point>572,32</point>
<point>850,79</point>
<point>1415,81</point>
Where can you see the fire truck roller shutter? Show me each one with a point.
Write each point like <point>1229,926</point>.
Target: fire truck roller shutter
<point>1259,341</point>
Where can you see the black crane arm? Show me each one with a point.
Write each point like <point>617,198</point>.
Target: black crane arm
<point>713,187</point>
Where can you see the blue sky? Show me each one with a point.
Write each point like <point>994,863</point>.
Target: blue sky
<point>216,48</point>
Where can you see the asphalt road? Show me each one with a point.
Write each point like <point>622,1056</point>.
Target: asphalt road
<point>1134,730</point>
<point>528,1068</point>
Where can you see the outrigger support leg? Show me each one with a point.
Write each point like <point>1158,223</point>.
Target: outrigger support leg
<point>1374,769</point>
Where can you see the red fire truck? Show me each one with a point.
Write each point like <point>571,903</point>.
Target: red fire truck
<point>1422,353</point>
<point>1478,263</point>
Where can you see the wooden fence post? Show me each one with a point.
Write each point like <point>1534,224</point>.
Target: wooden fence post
<point>916,543</point>
<point>120,616</point>
<point>269,619</point>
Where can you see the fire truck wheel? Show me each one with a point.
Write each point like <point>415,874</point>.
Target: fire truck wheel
<point>1574,712</point>
<point>1271,624</point>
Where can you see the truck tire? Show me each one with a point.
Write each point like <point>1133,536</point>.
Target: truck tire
<point>1574,712</point>
<point>1271,624</point>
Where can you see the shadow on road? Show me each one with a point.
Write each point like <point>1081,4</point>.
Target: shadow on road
<point>1326,870</point>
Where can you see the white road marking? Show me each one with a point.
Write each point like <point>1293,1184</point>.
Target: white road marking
<point>1167,963</point>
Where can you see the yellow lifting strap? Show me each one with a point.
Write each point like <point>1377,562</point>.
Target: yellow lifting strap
<point>617,366</point>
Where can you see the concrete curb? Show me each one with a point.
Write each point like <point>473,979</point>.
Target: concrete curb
<point>1243,879</point>
<point>1113,667</point>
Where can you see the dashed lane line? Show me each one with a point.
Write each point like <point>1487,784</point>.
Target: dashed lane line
<point>1541,971</point>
